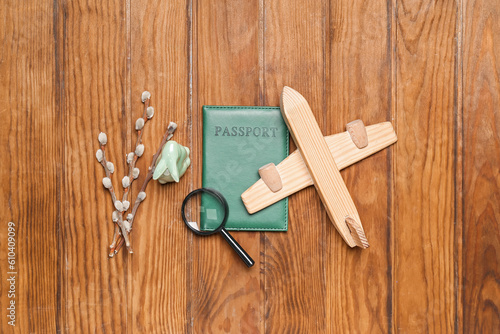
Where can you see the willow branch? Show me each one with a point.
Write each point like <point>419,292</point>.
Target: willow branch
<point>138,142</point>
<point>104,164</point>
<point>133,173</point>
<point>166,137</point>
<point>142,193</point>
<point>108,184</point>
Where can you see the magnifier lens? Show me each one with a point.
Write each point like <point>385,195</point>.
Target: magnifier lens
<point>204,212</point>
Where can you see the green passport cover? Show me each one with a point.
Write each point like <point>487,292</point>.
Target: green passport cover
<point>237,141</point>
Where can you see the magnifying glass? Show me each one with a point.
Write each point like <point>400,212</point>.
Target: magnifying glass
<point>212,209</point>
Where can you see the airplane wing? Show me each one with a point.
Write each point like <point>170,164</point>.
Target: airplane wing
<point>295,176</point>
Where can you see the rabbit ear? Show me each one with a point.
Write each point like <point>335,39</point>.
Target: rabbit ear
<point>172,166</point>
<point>160,169</point>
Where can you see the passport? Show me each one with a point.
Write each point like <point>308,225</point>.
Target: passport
<point>237,141</point>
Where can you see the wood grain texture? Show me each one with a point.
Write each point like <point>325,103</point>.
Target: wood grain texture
<point>294,262</point>
<point>320,163</point>
<point>357,233</point>
<point>295,175</point>
<point>225,295</point>
<point>94,65</point>
<point>424,182</point>
<point>271,177</point>
<point>30,165</point>
<point>357,131</point>
<point>158,274</point>
<point>429,204</point>
<point>358,86</point>
<point>481,167</point>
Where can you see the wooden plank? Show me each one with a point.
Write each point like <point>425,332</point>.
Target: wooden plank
<point>294,173</point>
<point>358,86</point>
<point>320,163</point>
<point>225,294</point>
<point>294,262</point>
<point>30,150</point>
<point>459,195</point>
<point>481,161</point>
<point>424,296</point>
<point>93,43</point>
<point>160,64</point>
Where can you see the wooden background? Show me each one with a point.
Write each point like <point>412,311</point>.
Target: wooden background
<point>430,204</point>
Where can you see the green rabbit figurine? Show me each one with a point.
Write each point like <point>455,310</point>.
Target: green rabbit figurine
<point>172,163</point>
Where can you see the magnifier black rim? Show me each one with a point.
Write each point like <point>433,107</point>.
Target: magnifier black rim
<point>219,197</point>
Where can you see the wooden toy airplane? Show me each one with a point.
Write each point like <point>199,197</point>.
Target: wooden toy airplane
<point>317,162</point>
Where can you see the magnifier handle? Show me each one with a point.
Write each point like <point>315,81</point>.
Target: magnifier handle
<point>237,248</point>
